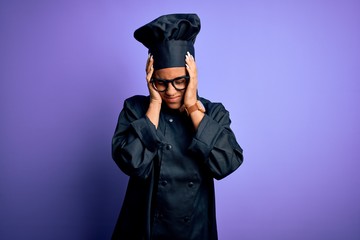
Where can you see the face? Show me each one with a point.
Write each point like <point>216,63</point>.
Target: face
<point>172,97</point>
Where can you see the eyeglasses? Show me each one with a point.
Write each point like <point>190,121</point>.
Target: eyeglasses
<point>161,85</point>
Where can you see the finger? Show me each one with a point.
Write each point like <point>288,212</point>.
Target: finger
<point>149,75</point>
<point>150,66</point>
<point>147,63</point>
<point>189,59</point>
<point>190,67</point>
<point>188,55</point>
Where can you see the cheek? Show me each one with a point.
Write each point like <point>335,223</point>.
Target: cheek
<point>182,94</point>
<point>162,95</point>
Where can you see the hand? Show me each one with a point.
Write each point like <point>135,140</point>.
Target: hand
<point>154,95</point>
<point>190,97</point>
<point>153,112</point>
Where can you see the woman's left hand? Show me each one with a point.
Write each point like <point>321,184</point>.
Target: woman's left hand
<point>190,97</point>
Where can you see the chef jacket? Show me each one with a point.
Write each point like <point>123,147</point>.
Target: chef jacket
<point>170,193</point>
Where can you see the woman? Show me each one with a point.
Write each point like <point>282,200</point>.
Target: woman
<point>172,143</point>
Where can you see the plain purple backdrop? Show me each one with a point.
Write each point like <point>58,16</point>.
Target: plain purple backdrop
<point>288,72</point>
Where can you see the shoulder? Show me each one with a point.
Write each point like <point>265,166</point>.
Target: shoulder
<point>216,111</point>
<point>137,99</point>
<point>137,103</point>
<point>212,107</point>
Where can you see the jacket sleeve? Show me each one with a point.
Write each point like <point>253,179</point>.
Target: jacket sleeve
<point>215,143</point>
<point>134,144</point>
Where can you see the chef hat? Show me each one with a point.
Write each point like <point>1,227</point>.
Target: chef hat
<point>169,37</point>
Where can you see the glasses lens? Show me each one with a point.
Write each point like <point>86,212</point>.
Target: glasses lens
<point>180,83</point>
<point>159,85</point>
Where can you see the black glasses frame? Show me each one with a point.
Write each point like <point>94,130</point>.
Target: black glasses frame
<point>153,80</point>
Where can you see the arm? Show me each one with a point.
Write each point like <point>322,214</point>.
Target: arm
<point>134,144</point>
<point>191,90</point>
<point>153,112</point>
<point>215,143</point>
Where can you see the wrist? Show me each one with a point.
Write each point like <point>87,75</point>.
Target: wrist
<point>154,107</point>
<point>153,112</point>
<point>190,102</point>
<point>197,106</point>
<point>155,102</point>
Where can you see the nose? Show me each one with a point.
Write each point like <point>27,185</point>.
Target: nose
<point>170,90</point>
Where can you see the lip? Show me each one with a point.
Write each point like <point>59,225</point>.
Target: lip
<point>172,99</point>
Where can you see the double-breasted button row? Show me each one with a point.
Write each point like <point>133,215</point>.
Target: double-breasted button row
<point>159,215</point>
<point>164,183</point>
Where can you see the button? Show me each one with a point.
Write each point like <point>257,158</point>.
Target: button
<point>168,147</point>
<point>171,120</point>
<point>159,215</point>
<point>191,184</point>
<point>186,219</point>
<point>164,183</point>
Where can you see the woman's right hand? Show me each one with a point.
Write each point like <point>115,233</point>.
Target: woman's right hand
<point>154,95</point>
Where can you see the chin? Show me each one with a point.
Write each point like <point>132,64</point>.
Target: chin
<point>173,105</point>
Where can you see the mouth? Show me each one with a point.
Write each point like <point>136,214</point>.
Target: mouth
<point>173,99</point>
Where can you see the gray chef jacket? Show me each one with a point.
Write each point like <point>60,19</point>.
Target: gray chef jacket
<point>170,193</point>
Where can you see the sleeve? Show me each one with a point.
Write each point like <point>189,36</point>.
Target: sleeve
<point>215,143</point>
<point>134,144</point>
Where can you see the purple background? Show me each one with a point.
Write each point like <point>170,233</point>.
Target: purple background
<point>288,71</point>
